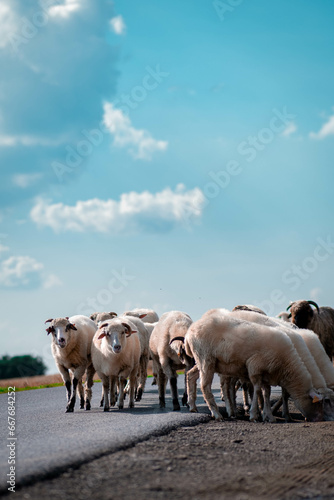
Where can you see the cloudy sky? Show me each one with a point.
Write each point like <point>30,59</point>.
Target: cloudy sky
<point>168,155</point>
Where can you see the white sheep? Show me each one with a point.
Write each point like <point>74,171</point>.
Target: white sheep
<point>97,317</point>
<point>318,381</point>
<point>169,358</point>
<point>71,349</point>
<point>285,316</point>
<point>144,338</point>
<point>147,315</point>
<point>115,356</point>
<point>319,354</point>
<point>222,343</point>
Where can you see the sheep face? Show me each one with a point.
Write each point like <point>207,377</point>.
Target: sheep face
<point>61,331</point>
<point>115,334</point>
<point>102,316</point>
<point>311,406</point>
<point>301,313</point>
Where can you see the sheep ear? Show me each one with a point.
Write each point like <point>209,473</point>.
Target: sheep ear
<point>141,316</point>
<point>49,330</point>
<point>113,314</point>
<point>316,397</point>
<point>48,321</point>
<point>128,328</point>
<point>93,316</point>
<point>102,326</point>
<point>102,335</point>
<point>72,326</point>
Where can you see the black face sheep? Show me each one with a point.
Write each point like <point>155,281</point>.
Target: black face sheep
<point>71,349</point>
<point>320,321</point>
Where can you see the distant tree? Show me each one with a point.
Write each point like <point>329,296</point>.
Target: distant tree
<point>21,366</point>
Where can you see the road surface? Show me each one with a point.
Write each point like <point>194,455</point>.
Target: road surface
<point>48,440</point>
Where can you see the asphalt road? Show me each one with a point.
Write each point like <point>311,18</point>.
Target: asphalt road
<point>48,440</point>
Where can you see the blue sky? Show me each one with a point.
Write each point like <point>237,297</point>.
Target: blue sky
<point>174,156</point>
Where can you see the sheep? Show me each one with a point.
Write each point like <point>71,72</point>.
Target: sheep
<point>144,338</point>
<point>170,357</point>
<point>115,356</point>
<point>148,315</point>
<point>71,349</point>
<point>285,316</point>
<point>320,321</point>
<point>248,308</point>
<point>97,317</point>
<point>318,381</point>
<point>236,348</point>
<point>319,354</point>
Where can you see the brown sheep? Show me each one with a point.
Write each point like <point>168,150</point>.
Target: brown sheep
<point>321,321</point>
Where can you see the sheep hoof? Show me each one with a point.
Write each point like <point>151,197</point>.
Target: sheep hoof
<point>120,407</point>
<point>131,405</point>
<point>87,405</point>
<point>139,394</point>
<point>106,408</point>
<point>154,382</point>
<point>185,400</point>
<point>69,409</point>
<point>193,410</point>
<point>176,407</point>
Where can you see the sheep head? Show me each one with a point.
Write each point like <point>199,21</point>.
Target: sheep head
<point>301,312</point>
<point>115,332</point>
<point>61,330</point>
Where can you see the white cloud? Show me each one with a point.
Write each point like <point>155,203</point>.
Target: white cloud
<point>27,140</point>
<point>315,293</point>
<point>66,9</point>
<point>140,143</point>
<point>8,24</point>
<point>3,248</point>
<point>26,180</point>
<point>289,129</point>
<point>133,212</point>
<point>118,25</point>
<point>20,271</point>
<point>326,130</point>
<point>51,281</point>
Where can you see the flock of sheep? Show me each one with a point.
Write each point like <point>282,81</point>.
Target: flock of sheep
<point>244,346</point>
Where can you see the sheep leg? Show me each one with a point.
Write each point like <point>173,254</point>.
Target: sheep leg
<point>192,377</point>
<point>113,398</point>
<point>245,396</point>
<point>172,377</point>
<point>227,386</point>
<point>77,376</point>
<point>267,414</point>
<point>286,413</point>
<point>121,384</point>
<point>162,387</point>
<point>80,391</point>
<point>254,413</point>
<point>142,376</point>
<point>133,382</point>
<point>105,389</point>
<point>207,373</point>
<point>185,394</point>
<point>277,406</point>
<point>155,370</point>
<point>65,375</point>
<point>88,386</point>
